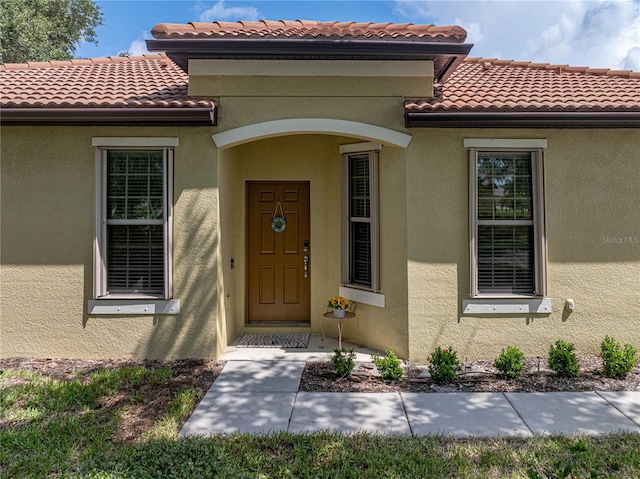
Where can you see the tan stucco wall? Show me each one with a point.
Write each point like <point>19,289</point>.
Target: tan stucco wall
<point>46,249</point>
<point>237,112</point>
<point>303,78</point>
<point>592,194</point>
<point>317,86</point>
<point>593,228</point>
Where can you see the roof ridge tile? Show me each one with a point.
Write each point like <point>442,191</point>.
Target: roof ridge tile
<point>302,28</point>
<point>80,61</point>
<point>560,68</point>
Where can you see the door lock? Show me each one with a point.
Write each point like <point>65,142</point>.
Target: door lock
<point>305,246</point>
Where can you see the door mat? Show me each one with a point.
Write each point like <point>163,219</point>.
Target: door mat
<point>287,341</point>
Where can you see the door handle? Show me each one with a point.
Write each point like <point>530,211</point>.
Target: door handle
<point>306,265</point>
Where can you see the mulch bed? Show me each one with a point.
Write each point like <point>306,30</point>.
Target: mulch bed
<point>479,376</point>
<point>186,372</point>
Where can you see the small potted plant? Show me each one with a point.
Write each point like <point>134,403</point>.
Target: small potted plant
<point>339,305</point>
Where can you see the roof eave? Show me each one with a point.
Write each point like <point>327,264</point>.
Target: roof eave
<point>524,119</point>
<point>109,116</point>
<point>180,50</point>
<point>309,46</point>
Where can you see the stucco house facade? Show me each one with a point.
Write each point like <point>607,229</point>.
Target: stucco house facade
<point>471,202</point>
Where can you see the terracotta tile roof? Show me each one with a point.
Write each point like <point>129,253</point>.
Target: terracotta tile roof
<point>150,81</point>
<point>490,85</point>
<point>477,85</point>
<point>310,29</point>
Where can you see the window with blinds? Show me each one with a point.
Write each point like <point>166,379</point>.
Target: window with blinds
<point>360,228</point>
<point>360,218</point>
<point>507,232</point>
<point>134,230</point>
<point>135,217</point>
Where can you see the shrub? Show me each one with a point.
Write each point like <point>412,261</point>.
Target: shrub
<point>563,360</point>
<point>510,363</point>
<point>343,361</point>
<point>617,361</point>
<point>388,366</point>
<point>444,365</point>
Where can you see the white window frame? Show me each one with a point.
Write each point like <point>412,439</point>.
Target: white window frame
<point>347,151</point>
<point>536,147</point>
<point>102,147</point>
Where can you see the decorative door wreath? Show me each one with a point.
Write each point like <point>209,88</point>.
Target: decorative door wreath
<point>278,223</point>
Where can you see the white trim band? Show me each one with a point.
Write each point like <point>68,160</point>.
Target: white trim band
<point>507,306</point>
<point>364,297</point>
<point>133,307</point>
<point>131,141</point>
<point>358,147</point>
<point>504,143</point>
<point>301,126</point>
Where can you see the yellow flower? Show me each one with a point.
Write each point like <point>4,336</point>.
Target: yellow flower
<point>338,302</point>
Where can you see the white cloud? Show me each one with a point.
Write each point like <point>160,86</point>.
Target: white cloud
<point>474,29</point>
<point>600,34</point>
<point>139,46</point>
<point>632,60</point>
<point>220,11</point>
<point>595,33</point>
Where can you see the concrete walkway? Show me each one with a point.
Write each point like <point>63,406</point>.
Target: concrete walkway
<point>262,397</point>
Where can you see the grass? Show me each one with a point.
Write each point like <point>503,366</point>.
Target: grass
<point>73,429</point>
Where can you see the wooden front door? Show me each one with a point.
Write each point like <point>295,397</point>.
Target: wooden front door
<point>278,281</point>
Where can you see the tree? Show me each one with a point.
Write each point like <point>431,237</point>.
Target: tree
<point>42,30</point>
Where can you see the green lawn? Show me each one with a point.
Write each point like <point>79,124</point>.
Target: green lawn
<point>76,428</point>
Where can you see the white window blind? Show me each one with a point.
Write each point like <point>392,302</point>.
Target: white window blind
<point>508,250</point>
<point>360,212</point>
<point>360,218</point>
<point>505,223</point>
<point>135,216</point>
<point>133,253</point>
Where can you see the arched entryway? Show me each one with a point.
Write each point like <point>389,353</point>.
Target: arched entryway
<point>277,155</point>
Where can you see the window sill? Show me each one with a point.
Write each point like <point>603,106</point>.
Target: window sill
<point>362,296</point>
<point>507,306</point>
<point>135,307</point>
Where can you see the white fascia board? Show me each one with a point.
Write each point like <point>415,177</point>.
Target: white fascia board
<point>361,296</point>
<point>135,307</point>
<point>504,143</point>
<point>358,147</point>
<point>135,142</point>
<point>311,68</point>
<point>507,306</point>
<point>301,126</point>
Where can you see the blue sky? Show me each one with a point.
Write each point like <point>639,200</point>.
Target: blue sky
<point>595,33</point>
